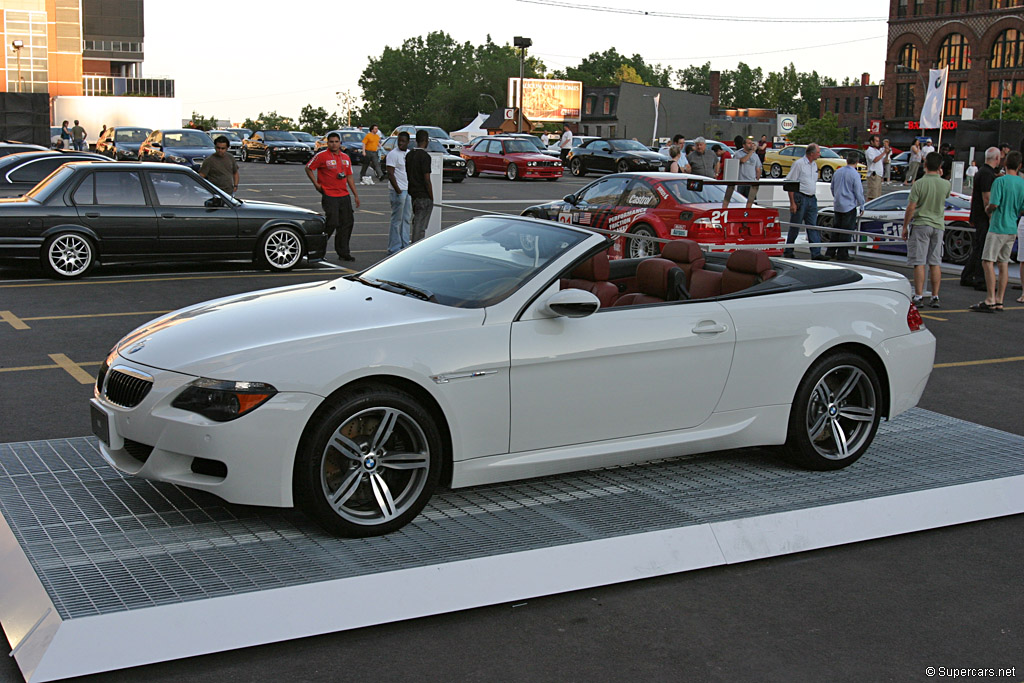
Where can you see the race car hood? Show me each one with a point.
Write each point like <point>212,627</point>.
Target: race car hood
<point>240,337</point>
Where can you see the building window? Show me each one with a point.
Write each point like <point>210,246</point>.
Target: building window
<point>613,131</point>
<point>907,58</point>
<point>940,6</point>
<point>608,99</point>
<point>918,7</point>
<point>901,8</point>
<point>1008,50</point>
<point>870,102</point>
<point>588,106</point>
<point>846,105</point>
<point>597,131</point>
<point>955,53</point>
<point>968,5</point>
<point>1010,87</point>
<point>956,98</point>
<point>856,105</point>
<point>837,105</point>
<point>905,100</point>
<point>1003,4</point>
<point>586,130</point>
<point>954,6</point>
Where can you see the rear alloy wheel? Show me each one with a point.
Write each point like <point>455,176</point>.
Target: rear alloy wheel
<point>835,413</point>
<point>471,169</point>
<point>268,157</point>
<point>369,465</point>
<point>68,255</point>
<point>826,174</point>
<point>622,166</point>
<point>280,249</point>
<point>512,172</point>
<point>640,247</point>
<point>576,168</point>
<point>957,246</point>
<point>776,171</point>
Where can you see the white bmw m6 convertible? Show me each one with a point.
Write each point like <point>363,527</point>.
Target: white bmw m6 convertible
<point>505,348</point>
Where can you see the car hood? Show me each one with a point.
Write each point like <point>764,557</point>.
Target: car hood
<point>650,156</point>
<point>292,210</point>
<point>286,143</point>
<point>273,334</point>
<point>528,156</point>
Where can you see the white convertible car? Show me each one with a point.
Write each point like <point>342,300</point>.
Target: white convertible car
<point>505,348</point>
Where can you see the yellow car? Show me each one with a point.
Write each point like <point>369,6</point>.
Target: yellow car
<point>777,162</point>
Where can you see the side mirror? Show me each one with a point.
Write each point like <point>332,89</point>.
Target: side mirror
<point>570,199</point>
<point>571,303</point>
<point>214,201</point>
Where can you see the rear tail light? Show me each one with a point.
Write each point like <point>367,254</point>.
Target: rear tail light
<point>914,320</point>
<point>705,225</point>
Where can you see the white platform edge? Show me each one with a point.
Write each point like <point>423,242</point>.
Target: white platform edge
<point>137,637</point>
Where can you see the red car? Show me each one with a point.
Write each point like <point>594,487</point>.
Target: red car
<point>514,158</point>
<point>663,205</point>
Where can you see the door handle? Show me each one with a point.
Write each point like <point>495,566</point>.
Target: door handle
<point>709,327</point>
<point>167,215</point>
<point>92,215</point>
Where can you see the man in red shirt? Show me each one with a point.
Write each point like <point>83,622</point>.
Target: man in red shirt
<point>722,154</point>
<point>331,174</point>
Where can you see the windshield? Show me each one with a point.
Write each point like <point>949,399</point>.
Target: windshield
<point>279,135</point>
<point>351,136</point>
<point>49,184</point>
<point>435,146</point>
<point>534,142</point>
<point>519,147</point>
<point>187,138</point>
<point>628,145</point>
<point>710,194</point>
<point>958,202</point>
<point>303,137</point>
<point>131,134</point>
<point>478,263</point>
<point>827,153</point>
<point>434,131</point>
<point>229,134</point>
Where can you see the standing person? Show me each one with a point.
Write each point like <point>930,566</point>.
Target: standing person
<point>78,135</point>
<point>331,173</point>
<point>926,149</point>
<point>678,140</point>
<point>398,194</point>
<point>417,166</point>
<point>220,168</point>
<point>887,164</point>
<point>65,135</point>
<point>565,143</point>
<point>972,171</point>
<point>762,148</point>
<point>1004,149</point>
<point>702,162</point>
<point>723,153</point>
<point>676,166</point>
<point>371,155</point>
<point>1006,204</point>
<point>803,204</point>
<point>876,155</point>
<point>848,193</point>
<point>750,170</point>
<point>737,142</point>
<point>103,132</point>
<point>973,275</point>
<point>923,225</point>
<point>913,163</point>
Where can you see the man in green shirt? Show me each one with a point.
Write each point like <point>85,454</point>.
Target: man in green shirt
<point>220,168</point>
<point>1005,206</point>
<point>926,209</point>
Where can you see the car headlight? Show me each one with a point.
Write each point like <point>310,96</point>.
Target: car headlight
<point>531,163</point>
<point>176,159</point>
<point>460,163</point>
<point>637,162</point>
<point>222,401</point>
<point>558,163</point>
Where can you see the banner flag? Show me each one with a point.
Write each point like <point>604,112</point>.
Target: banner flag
<point>935,100</point>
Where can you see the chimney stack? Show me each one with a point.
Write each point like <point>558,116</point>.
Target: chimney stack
<point>865,79</point>
<point>716,86</point>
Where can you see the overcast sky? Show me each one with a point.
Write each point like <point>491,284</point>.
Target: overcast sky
<point>262,56</point>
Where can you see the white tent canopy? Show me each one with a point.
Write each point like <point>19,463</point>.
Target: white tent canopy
<point>472,130</point>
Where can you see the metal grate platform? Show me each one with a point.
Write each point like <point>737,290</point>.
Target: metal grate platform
<point>100,544</point>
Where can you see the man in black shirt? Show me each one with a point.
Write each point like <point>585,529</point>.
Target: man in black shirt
<point>972,274</point>
<point>417,165</point>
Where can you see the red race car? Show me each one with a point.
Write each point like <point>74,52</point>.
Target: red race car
<point>512,157</point>
<point>665,205</point>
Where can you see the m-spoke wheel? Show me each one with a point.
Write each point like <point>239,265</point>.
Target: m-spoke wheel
<point>280,249</point>
<point>836,413</point>
<point>640,247</point>
<point>957,246</point>
<point>370,464</point>
<point>576,168</point>
<point>622,166</point>
<point>68,255</point>
<point>512,172</point>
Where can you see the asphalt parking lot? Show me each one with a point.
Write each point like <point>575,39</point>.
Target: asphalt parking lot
<point>875,611</point>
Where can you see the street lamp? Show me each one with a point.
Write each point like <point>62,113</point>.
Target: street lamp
<point>522,44</point>
<point>483,94</point>
<point>17,45</point>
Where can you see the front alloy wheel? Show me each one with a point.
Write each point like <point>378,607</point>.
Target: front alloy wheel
<point>280,249</point>
<point>576,168</point>
<point>776,171</point>
<point>370,464</point>
<point>268,157</point>
<point>512,172</point>
<point>622,166</point>
<point>68,255</point>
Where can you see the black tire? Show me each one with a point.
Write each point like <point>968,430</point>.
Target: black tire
<point>577,168</point>
<point>68,255</point>
<point>245,155</point>
<point>378,453</point>
<point>826,174</point>
<point>776,171</point>
<point>639,248</point>
<point>280,249</point>
<point>957,246</point>
<point>268,158</point>
<point>835,413</point>
<point>471,169</point>
<point>512,172</point>
<point>622,166</point>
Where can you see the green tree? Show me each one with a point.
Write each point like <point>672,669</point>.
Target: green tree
<point>317,121</point>
<point>747,86</point>
<point>826,131</point>
<point>605,68</point>
<point>695,79</point>
<point>202,122</point>
<point>1013,110</point>
<point>269,121</point>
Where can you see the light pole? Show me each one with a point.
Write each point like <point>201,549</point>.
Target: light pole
<point>484,94</point>
<point>522,44</point>
<point>17,45</point>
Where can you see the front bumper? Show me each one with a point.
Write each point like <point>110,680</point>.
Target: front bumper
<point>156,441</point>
<point>540,172</point>
<point>291,154</point>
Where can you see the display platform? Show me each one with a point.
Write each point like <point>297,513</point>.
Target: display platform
<point>102,572</point>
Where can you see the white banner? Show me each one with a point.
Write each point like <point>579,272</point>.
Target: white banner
<point>935,100</point>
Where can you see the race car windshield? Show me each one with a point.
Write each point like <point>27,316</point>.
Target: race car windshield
<point>478,263</point>
<point>710,194</point>
<point>628,146</point>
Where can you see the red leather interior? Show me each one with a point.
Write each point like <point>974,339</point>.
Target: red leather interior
<point>592,276</point>
<point>654,278</point>
<point>686,254</point>
<point>745,269</point>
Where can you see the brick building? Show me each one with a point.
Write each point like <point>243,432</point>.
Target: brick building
<point>854,105</point>
<point>982,42</point>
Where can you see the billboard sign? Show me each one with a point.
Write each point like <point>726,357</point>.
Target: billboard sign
<point>547,100</point>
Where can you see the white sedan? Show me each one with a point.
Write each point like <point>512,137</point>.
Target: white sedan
<point>505,348</point>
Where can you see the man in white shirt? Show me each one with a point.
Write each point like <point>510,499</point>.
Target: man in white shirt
<point>927,149</point>
<point>398,193</point>
<point>565,143</point>
<point>803,204</point>
<point>877,155</point>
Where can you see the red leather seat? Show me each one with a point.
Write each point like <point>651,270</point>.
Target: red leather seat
<point>592,276</point>
<point>686,254</point>
<point>746,269</point>
<point>655,278</point>
<point>705,284</point>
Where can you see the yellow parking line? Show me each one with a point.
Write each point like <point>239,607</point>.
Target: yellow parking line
<point>72,368</point>
<point>94,315</point>
<point>157,279</point>
<point>47,367</point>
<point>13,320</point>
<point>987,361</point>
<point>934,317</point>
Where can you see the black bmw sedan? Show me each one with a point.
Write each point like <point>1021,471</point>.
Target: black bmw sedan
<point>606,155</point>
<point>20,172</point>
<point>87,213</point>
<point>275,146</point>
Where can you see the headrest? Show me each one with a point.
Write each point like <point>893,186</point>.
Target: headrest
<point>594,268</point>
<point>652,276</point>
<point>749,261</point>
<point>682,251</point>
